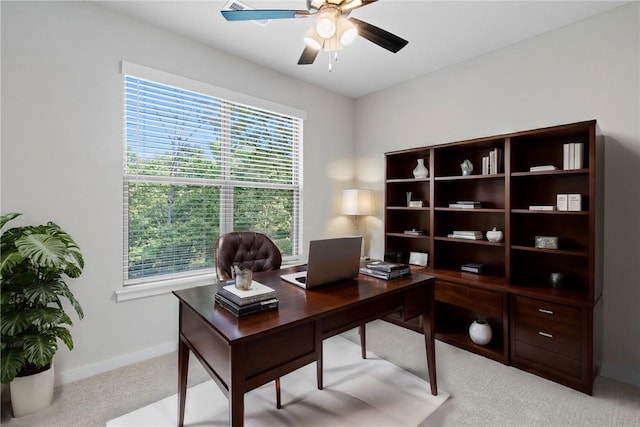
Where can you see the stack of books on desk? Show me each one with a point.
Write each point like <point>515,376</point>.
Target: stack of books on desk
<point>242,302</point>
<point>385,270</point>
<point>464,234</point>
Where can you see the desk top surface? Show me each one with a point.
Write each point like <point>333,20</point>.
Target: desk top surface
<point>294,303</point>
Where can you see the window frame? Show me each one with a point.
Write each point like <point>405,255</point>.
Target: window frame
<point>144,287</point>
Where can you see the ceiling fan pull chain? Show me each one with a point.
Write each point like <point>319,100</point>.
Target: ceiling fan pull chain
<point>330,64</point>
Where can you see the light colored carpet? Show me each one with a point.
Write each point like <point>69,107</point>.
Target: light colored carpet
<point>356,393</point>
<point>483,392</point>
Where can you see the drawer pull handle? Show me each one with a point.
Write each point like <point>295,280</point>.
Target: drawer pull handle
<point>542,310</point>
<point>544,334</point>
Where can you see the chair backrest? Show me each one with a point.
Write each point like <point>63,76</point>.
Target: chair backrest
<point>248,250</point>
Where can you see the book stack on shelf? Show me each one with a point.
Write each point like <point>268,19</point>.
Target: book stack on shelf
<point>466,234</point>
<point>466,204</point>
<point>385,270</point>
<point>572,154</point>
<point>543,168</point>
<point>242,302</point>
<point>492,164</point>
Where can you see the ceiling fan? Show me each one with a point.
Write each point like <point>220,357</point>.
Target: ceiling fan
<point>333,27</point>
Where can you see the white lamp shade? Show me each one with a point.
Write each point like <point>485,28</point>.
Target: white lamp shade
<point>357,202</point>
<point>347,32</point>
<point>313,39</point>
<point>326,24</point>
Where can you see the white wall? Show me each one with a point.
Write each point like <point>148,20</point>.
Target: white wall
<point>589,70</point>
<point>62,129</point>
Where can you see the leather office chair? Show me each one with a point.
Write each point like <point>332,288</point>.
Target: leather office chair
<point>249,250</point>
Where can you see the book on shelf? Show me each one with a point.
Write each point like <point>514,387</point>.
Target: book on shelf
<point>468,232</point>
<point>542,208</point>
<point>492,164</point>
<point>243,310</point>
<point>257,292</point>
<point>473,267</point>
<point>459,205</point>
<point>542,168</point>
<point>385,275</point>
<point>413,232</point>
<point>386,266</point>
<point>561,202</point>
<point>574,202</point>
<point>464,234</point>
<point>572,155</point>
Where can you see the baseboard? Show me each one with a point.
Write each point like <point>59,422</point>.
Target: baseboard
<point>72,375</point>
<point>628,376</point>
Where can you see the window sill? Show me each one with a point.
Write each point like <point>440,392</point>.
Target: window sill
<point>161,287</point>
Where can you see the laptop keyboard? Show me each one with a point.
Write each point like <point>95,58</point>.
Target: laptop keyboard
<point>302,279</point>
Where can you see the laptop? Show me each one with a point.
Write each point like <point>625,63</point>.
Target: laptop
<point>330,260</point>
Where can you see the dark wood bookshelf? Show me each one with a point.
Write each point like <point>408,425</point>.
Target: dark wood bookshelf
<point>515,295</point>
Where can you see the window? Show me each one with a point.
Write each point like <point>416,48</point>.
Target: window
<point>199,165</point>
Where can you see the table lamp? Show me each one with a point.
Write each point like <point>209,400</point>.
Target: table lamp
<point>357,202</point>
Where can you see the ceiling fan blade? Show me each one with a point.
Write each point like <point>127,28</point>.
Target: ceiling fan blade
<point>261,15</point>
<point>309,55</point>
<point>376,35</point>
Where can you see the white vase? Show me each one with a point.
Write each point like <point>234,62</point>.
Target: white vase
<point>480,332</point>
<point>31,393</point>
<point>421,170</point>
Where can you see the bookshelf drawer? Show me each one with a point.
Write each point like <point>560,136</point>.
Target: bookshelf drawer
<point>482,300</point>
<point>534,357</point>
<point>557,337</point>
<point>525,307</point>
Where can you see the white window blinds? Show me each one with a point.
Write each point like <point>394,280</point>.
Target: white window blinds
<point>197,166</point>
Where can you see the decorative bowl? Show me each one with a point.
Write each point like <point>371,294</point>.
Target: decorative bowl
<point>494,235</point>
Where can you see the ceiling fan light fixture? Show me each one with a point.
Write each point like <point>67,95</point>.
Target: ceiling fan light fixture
<point>326,24</point>
<point>313,39</point>
<point>332,44</point>
<point>352,4</point>
<point>347,32</point>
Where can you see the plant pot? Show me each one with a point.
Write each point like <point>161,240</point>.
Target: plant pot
<point>480,332</point>
<point>31,393</point>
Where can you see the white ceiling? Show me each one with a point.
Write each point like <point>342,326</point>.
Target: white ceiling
<point>440,33</point>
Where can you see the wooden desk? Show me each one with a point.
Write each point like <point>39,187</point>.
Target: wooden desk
<point>244,353</point>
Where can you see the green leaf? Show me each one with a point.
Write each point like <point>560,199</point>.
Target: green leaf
<point>49,317</point>
<point>14,323</point>
<point>42,250</point>
<point>65,336</point>
<point>72,299</point>
<point>8,260</point>
<point>6,218</point>
<point>39,349</point>
<point>11,362</point>
<point>41,293</point>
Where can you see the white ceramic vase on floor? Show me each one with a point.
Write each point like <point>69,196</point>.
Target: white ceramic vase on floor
<point>480,332</point>
<point>32,393</point>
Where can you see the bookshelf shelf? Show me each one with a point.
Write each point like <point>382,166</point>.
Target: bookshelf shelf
<point>555,212</point>
<point>517,278</point>
<point>550,251</point>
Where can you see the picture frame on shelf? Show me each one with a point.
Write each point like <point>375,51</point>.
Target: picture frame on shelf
<point>419,258</point>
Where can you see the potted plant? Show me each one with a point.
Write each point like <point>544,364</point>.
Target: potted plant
<point>34,264</point>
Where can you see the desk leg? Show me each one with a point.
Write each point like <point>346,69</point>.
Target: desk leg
<point>183,369</point>
<point>430,346</point>
<point>319,368</point>
<point>236,407</point>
